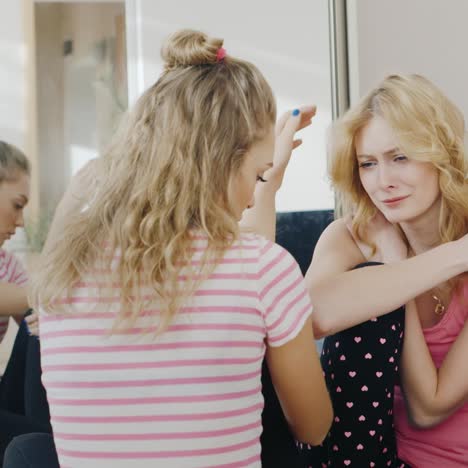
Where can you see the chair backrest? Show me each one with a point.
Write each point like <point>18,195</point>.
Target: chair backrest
<point>299,231</point>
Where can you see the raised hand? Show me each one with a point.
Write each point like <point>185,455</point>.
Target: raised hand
<point>286,128</point>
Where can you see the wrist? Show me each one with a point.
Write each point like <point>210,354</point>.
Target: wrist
<point>454,252</point>
<point>274,178</point>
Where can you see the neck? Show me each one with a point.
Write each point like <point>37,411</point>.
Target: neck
<point>422,233</point>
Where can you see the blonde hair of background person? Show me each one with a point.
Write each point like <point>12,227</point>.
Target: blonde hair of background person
<point>187,161</point>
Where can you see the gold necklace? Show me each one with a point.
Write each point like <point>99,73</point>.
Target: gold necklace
<point>439,307</point>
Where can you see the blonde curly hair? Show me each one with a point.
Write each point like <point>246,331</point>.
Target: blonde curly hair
<point>165,177</point>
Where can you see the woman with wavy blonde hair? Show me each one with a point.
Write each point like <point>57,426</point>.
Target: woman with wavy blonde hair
<point>156,310</point>
<point>398,162</point>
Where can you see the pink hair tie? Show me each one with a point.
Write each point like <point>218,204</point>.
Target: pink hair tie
<point>221,54</point>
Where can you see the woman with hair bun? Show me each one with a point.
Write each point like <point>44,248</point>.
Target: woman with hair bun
<point>156,310</point>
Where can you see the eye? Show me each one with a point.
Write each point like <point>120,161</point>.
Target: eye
<point>366,164</point>
<point>400,157</point>
<point>260,179</point>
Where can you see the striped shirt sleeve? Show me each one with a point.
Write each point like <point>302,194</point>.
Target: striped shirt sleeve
<point>284,300</point>
<point>11,269</point>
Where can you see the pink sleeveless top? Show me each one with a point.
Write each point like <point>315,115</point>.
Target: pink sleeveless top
<point>445,445</point>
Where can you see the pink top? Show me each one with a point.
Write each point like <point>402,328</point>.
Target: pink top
<point>445,445</point>
<point>189,398</point>
<point>11,271</point>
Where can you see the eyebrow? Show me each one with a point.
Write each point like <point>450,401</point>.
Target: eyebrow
<point>386,153</point>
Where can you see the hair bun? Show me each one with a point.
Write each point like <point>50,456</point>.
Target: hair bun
<point>187,47</point>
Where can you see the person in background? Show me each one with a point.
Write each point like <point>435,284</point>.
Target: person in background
<point>23,405</point>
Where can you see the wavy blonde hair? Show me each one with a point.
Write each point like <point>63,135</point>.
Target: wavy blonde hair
<point>164,177</point>
<point>428,127</point>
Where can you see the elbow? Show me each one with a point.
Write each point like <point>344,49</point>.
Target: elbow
<point>319,436</point>
<point>324,322</point>
<point>321,324</point>
<point>317,429</point>
<point>422,419</point>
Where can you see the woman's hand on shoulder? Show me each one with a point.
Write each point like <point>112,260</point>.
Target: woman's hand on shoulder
<point>385,236</point>
<point>32,322</point>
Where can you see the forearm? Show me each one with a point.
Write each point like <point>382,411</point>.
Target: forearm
<point>14,300</point>
<point>432,394</point>
<point>419,376</point>
<point>261,218</point>
<point>355,296</point>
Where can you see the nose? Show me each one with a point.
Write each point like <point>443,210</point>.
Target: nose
<point>251,202</point>
<point>20,219</point>
<point>386,176</point>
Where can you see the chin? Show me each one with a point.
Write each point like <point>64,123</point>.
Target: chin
<point>391,218</point>
<point>398,218</point>
<point>394,216</point>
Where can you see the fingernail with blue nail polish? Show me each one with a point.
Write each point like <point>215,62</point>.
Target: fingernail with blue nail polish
<point>295,112</point>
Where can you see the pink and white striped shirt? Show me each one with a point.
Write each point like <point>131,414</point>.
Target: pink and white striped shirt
<point>188,398</point>
<point>11,271</point>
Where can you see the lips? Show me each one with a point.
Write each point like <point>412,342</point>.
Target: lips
<point>394,200</point>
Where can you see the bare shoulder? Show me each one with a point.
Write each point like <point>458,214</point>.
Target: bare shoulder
<point>336,251</point>
<point>338,238</point>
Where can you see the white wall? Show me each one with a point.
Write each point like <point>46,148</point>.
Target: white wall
<point>429,37</point>
<point>49,86</point>
<point>69,128</point>
<point>17,94</point>
<point>13,121</point>
<point>288,41</point>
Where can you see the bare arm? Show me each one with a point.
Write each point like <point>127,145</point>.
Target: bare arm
<point>14,300</point>
<point>343,297</point>
<point>261,218</point>
<point>432,394</point>
<point>298,380</point>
